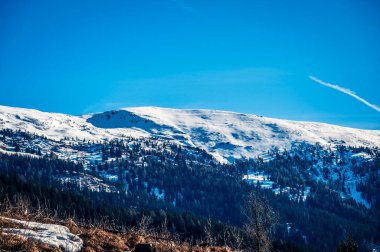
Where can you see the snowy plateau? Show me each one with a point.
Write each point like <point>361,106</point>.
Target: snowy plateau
<point>225,135</point>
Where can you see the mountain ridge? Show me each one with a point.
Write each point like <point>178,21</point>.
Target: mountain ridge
<point>225,135</point>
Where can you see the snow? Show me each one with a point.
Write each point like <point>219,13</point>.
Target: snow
<point>350,185</point>
<point>109,177</point>
<point>228,135</point>
<point>157,194</point>
<point>306,193</point>
<point>225,135</point>
<point>57,126</point>
<point>86,181</point>
<point>259,178</point>
<point>54,235</point>
<point>18,153</point>
<point>361,155</point>
<point>357,196</point>
<point>263,181</point>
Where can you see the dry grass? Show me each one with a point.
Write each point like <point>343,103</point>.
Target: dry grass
<point>96,239</point>
<point>99,240</point>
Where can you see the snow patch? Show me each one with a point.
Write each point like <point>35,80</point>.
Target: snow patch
<point>258,178</point>
<point>54,235</point>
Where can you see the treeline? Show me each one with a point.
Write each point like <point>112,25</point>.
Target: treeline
<point>87,206</point>
<point>117,210</point>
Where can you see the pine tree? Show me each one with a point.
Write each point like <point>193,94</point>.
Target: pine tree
<point>348,245</point>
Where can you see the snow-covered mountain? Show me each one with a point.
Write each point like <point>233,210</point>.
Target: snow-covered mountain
<point>225,135</point>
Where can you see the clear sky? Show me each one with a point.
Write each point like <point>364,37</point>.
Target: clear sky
<point>247,56</point>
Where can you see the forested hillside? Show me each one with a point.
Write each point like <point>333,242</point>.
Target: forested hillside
<point>319,195</point>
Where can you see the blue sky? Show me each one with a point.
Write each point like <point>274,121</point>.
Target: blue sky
<point>247,56</point>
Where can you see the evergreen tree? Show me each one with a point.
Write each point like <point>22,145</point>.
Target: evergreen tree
<point>348,245</point>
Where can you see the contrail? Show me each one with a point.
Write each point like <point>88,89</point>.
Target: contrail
<point>346,91</point>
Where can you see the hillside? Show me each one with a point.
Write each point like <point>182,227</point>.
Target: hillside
<point>225,135</point>
<point>183,169</point>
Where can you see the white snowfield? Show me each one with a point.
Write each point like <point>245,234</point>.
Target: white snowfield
<point>56,236</point>
<point>225,135</point>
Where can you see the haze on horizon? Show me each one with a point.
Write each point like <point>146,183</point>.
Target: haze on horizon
<point>245,56</point>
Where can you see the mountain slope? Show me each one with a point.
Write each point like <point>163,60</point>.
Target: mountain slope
<point>314,189</point>
<point>225,135</point>
<point>228,134</point>
<point>57,126</point>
